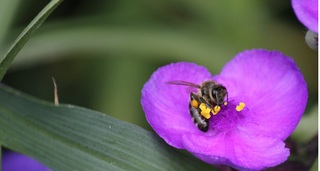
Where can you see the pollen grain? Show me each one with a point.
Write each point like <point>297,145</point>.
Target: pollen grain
<point>216,110</point>
<point>240,106</point>
<point>205,110</point>
<point>194,103</point>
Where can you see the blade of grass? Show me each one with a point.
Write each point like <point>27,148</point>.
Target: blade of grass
<point>25,35</point>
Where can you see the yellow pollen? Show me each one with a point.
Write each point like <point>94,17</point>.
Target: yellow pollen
<point>205,110</point>
<point>194,103</point>
<point>225,103</point>
<point>216,110</point>
<point>240,106</point>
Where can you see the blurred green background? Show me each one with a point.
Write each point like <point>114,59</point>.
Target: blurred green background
<point>102,52</point>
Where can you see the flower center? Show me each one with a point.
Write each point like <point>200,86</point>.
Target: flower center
<point>228,117</point>
<point>206,111</point>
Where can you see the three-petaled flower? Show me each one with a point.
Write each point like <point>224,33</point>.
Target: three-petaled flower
<point>267,96</point>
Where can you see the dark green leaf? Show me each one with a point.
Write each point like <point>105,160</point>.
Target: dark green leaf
<point>67,137</point>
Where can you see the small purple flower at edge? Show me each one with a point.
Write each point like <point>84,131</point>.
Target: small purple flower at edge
<point>307,13</point>
<point>13,161</point>
<point>267,96</point>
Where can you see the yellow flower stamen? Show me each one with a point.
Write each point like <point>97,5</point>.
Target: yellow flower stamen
<point>225,103</point>
<point>216,110</point>
<point>205,110</point>
<point>240,106</point>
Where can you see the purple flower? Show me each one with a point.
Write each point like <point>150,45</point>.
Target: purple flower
<point>250,137</point>
<point>12,161</point>
<point>307,12</point>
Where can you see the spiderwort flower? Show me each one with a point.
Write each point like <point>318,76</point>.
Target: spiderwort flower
<point>267,96</point>
<point>307,13</point>
<point>12,161</point>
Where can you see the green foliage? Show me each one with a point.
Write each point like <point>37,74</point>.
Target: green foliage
<point>67,137</point>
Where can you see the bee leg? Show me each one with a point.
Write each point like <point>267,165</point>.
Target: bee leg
<point>218,102</point>
<point>207,104</point>
<point>202,100</point>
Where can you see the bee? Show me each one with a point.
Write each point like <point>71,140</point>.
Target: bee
<point>208,100</point>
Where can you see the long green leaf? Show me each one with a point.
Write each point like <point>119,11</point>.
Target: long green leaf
<point>25,35</point>
<point>67,137</point>
<point>168,44</point>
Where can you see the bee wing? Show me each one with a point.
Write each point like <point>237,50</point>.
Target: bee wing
<point>184,83</point>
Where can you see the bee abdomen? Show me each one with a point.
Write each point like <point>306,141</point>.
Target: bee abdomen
<point>201,122</point>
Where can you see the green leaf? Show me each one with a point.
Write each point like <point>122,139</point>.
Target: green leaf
<point>307,127</point>
<point>67,137</point>
<point>25,35</point>
<point>315,166</point>
<point>168,44</point>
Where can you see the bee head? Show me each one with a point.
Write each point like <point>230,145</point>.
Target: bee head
<point>219,92</point>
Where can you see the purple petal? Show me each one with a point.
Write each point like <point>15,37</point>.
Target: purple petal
<point>238,149</point>
<point>12,161</point>
<point>307,13</point>
<point>166,105</point>
<point>272,87</point>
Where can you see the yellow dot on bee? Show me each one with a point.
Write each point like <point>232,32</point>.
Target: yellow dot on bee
<point>216,110</point>
<point>205,110</point>
<point>240,106</point>
<point>194,103</point>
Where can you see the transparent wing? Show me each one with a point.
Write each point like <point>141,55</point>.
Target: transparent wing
<point>184,83</point>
